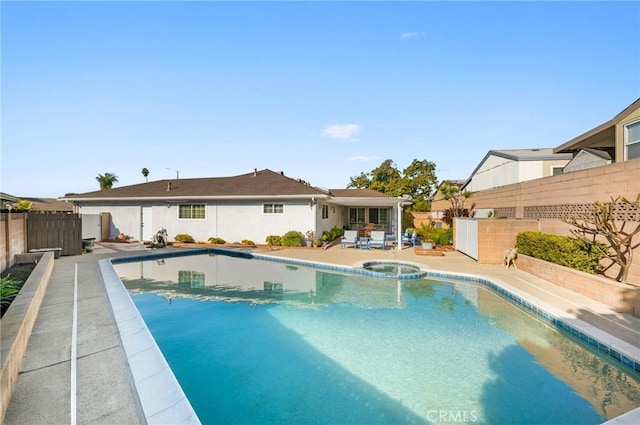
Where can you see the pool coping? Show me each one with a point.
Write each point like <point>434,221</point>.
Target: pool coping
<point>161,397</point>
<point>171,405</point>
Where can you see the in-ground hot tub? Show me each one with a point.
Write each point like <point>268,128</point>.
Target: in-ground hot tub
<point>394,269</point>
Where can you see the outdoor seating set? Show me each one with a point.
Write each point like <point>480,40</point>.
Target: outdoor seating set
<point>375,239</point>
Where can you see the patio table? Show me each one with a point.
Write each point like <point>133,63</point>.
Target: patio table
<point>363,242</point>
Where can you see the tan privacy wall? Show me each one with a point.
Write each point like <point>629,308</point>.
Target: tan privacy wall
<point>550,198</point>
<point>13,237</point>
<point>495,236</point>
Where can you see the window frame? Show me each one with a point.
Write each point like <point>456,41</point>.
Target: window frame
<point>325,212</point>
<point>192,215</point>
<point>356,215</point>
<point>380,212</point>
<point>273,208</point>
<point>628,143</point>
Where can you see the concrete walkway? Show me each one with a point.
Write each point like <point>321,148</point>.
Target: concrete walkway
<point>103,392</point>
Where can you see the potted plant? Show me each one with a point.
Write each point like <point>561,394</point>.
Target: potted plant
<point>310,237</point>
<point>426,236</point>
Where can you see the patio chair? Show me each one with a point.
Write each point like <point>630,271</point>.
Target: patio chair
<point>350,237</point>
<point>377,239</point>
<point>410,239</point>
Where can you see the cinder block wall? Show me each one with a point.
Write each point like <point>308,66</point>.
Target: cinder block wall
<point>13,237</point>
<point>580,187</point>
<point>497,235</point>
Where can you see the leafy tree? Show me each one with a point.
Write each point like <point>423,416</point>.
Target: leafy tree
<point>601,222</point>
<point>452,193</point>
<point>24,205</point>
<point>417,180</point>
<point>145,173</point>
<point>107,180</point>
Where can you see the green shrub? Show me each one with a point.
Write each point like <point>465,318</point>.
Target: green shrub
<point>247,242</point>
<point>216,240</point>
<point>442,236</point>
<point>184,238</point>
<point>274,240</point>
<point>8,290</point>
<point>334,233</point>
<point>292,238</point>
<point>562,250</point>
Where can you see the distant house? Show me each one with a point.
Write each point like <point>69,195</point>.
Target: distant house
<point>504,167</point>
<point>618,139</point>
<point>250,206</point>
<point>589,158</point>
<point>43,205</point>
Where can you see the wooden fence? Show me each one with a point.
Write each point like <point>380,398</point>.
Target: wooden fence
<point>58,230</point>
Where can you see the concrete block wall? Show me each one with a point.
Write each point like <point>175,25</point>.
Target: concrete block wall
<point>579,187</point>
<point>17,325</point>
<point>619,296</point>
<point>497,235</point>
<point>13,237</point>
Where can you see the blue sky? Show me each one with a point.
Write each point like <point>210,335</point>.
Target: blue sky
<point>319,90</point>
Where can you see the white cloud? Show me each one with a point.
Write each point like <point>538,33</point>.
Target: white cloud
<point>414,34</point>
<point>362,158</point>
<point>341,131</point>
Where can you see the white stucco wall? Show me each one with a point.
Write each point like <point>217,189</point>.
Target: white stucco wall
<point>124,219</point>
<point>232,222</point>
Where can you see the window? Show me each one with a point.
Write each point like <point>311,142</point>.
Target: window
<point>325,212</point>
<point>191,212</point>
<point>379,215</point>
<point>632,140</point>
<point>191,278</point>
<point>556,171</point>
<point>356,215</point>
<point>273,208</point>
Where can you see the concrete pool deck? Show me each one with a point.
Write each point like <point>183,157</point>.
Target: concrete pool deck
<point>103,391</point>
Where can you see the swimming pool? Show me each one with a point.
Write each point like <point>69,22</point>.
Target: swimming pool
<point>297,344</point>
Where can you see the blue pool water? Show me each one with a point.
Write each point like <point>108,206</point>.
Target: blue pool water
<point>254,342</point>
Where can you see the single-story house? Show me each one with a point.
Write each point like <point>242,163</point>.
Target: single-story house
<point>504,167</point>
<point>250,206</point>
<point>42,205</point>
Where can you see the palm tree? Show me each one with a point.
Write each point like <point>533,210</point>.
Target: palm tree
<point>106,181</point>
<point>145,173</point>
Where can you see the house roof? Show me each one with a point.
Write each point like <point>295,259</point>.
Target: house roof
<point>357,193</point>
<point>49,205</point>
<point>264,183</point>
<point>362,197</point>
<point>601,136</point>
<point>38,204</point>
<point>599,153</point>
<point>533,154</point>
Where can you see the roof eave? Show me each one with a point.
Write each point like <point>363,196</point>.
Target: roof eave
<point>193,198</point>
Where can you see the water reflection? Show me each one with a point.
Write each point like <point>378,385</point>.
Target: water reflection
<point>609,390</point>
<point>217,277</point>
<point>220,277</point>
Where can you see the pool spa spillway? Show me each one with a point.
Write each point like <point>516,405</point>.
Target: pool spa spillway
<point>256,339</point>
<point>394,269</point>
